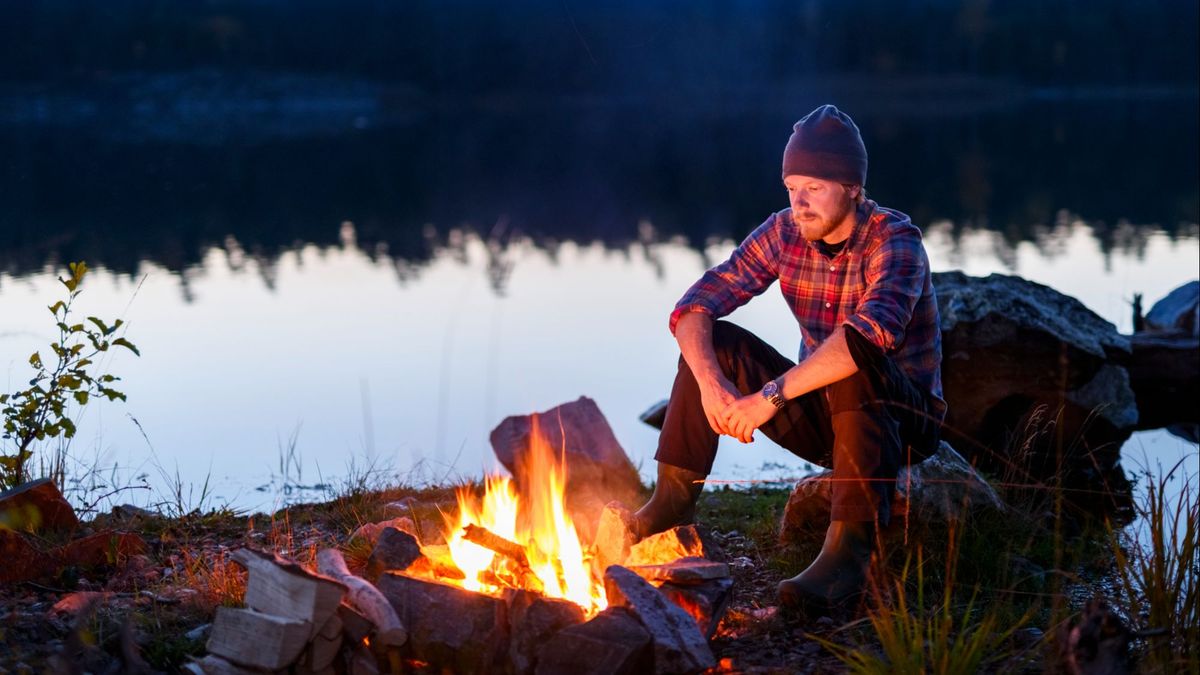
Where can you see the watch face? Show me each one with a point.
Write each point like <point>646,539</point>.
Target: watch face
<point>770,389</point>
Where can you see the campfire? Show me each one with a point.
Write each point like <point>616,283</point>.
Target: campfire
<point>524,541</point>
<point>513,588</point>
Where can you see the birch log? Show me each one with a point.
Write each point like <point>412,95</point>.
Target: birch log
<point>365,597</point>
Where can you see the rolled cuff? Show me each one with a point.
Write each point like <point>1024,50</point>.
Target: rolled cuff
<point>680,310</point>
<point>873,332</point>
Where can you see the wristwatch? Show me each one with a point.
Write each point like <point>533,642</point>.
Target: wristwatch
<point>771,392</point>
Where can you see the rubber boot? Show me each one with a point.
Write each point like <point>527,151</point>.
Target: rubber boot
<point>673,502</point>
<point>837,577</point>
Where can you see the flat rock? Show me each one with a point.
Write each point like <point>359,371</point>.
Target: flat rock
<point>109,548</point>
<point>533,619</point>
<point>612,643</point>
<point>614,536</point>
<point>394,550</point>
<point>1178,312</point>
<point>372,531</point>
<point>448,627</point>
<point>685,541</point>
<point>598,470</point>
<point>689,570</point>
<point>679,646</point>
<point>36,506</point>
<point>942,488</point>
<point>22,561</point>
<point>706,602</point>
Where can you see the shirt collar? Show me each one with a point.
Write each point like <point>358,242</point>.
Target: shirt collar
<point>862,214</point>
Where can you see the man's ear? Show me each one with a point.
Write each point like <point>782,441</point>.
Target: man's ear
<point>853,190</point>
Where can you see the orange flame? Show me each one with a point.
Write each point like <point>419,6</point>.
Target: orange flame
<point>536,520</point>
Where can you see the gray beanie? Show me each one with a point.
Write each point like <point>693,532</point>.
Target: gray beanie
<point>826,144</point>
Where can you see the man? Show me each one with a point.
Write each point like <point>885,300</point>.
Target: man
<point>864,398</point>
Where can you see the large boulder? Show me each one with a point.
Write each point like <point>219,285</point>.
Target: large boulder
<point>598,470</point>
<point>36,506</point>
<point>1036,382</point>
<point>1178,312</point>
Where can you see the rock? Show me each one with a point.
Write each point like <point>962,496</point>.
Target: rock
<point>73,604</point>
<point>678,542</point>
<point>706,602</point>
<point>1098,643</point>
<point>448,627</point>
<point>1027,370</point>
<point>614,536</point>
<point>688,570</point>
<point>598,470</point>
<point>678,645</point>
<point>1178,312</point>
<point>612,643</point>
<point>372,531</point>
<point>395,550</point>
<point>942,488</point>
<point>656,414</point>
<point>109,548</point>
<point>131,512</point>
<point>532,620</point>
<point>199,633</point>
<point>435,561</point>
<point>22,561</point>
<point>36,506</point>
<point>1165,375</point>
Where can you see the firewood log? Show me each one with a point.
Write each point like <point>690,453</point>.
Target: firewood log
<point>365,597</point>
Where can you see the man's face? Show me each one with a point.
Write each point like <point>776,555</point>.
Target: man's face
<point>822,209</point>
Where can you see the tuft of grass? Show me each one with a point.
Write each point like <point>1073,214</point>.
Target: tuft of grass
<point>949,637</point>
<point>217,580</point>
<point>1160,576</point>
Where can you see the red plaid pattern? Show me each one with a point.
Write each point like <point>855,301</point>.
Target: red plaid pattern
<point>879,284</point>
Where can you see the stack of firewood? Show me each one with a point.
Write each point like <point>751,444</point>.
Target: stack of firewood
<point>300,622</point>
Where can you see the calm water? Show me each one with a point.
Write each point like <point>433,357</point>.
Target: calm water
<point>364,362</point>
<point>325,277</point>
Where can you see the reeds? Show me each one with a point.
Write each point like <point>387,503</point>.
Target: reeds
<point>1159,573</point>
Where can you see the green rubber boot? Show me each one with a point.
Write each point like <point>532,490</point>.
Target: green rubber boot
<point>839,574</point>
<point>673,502</point>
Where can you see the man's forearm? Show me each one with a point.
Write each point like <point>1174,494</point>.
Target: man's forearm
<point>829,363</point>
<point>693,332</point>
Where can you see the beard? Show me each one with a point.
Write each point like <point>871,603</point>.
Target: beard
<point>814,227</point>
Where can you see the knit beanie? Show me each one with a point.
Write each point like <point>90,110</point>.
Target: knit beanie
<point>826,144</point>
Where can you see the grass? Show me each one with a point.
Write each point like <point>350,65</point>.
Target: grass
<point>1160,576</point>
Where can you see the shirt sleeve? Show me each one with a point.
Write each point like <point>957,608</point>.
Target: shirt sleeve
<point>750,270</point>
<point>895,274</point>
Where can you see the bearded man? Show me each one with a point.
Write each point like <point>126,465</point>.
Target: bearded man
<point>864,397</point>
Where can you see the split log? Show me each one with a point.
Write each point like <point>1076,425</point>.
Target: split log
<point>494,542</point>
<point>366,598</point>
<point>256,640</point>
<point>511,550</point>
<point>282,588</point>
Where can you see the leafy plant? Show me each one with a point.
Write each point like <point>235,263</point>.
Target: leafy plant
<point>68,379</point>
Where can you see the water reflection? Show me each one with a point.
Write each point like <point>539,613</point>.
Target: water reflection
<point>412,376</point>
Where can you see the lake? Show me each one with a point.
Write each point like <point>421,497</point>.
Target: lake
<point>324,288</point>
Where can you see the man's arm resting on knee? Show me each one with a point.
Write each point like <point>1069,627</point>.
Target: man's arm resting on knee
<point>694,333</point>
<point>830,362</point>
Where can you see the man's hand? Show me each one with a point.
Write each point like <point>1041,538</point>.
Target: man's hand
<point>716,396</point>
<point>744,415</point>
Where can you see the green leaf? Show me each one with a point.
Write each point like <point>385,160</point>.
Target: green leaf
<point>99,324</point>
<point>127,344</point>
<point>57,306</point>
<point>67,426</point>
<point>35,360</point>
<point>69,283</point>
<point>81,397</point>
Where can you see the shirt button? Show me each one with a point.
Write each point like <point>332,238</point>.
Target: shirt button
<point>832,268</point>
<point>828,305</point>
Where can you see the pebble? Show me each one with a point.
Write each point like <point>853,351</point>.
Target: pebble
<point>198,633</point>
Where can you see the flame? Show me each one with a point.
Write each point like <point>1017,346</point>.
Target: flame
<point>538,522</point>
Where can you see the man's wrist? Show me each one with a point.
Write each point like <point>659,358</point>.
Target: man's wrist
<point>772,392</point>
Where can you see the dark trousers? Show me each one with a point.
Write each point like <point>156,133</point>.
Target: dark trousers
<point>865,427</point>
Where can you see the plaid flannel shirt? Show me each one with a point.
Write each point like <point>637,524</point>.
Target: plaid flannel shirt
<point>878,284</point>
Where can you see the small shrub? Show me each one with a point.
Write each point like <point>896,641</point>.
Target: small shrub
<point>43,410</point>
